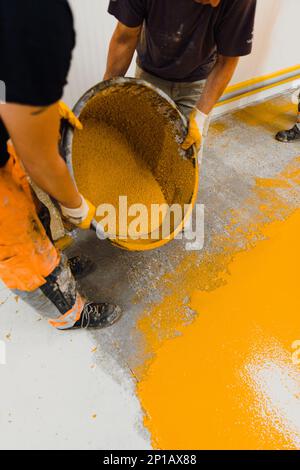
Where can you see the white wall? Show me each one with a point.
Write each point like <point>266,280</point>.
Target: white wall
<point>276,39</point>
<point>94,27</point>
<point>276,43</point>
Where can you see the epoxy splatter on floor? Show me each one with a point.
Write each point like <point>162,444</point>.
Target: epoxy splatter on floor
<point>228,380</point>
<point>188,350</point>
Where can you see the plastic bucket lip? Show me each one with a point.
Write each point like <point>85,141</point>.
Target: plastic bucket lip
<point>66,145</point>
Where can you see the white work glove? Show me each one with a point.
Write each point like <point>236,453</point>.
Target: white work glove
<point>197,129</point>
<point>82,216</point>
<point>296,97</point>
<point>201,120</point>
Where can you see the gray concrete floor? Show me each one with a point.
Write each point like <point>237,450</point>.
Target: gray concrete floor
<point>240,148</point>
<point>67,390</point>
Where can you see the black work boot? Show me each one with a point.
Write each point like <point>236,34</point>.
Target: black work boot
<point>80,266</point>
<point>97,315</point>
<point>289,135</point>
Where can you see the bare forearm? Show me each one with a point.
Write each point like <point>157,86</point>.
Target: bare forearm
<point>119,60</point>
<point>217,83</point>
<point>121,49</point>
<point>35,135</point>
<point>54,178</point>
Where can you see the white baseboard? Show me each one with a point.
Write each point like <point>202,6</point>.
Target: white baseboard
<point>260,95</point>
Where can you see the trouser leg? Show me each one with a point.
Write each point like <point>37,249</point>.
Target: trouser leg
<point>28,258</point>
<point>163,85</point>
<point>58,299</point>
<point>60,287</point>
<point>170,88</point>
<point>185,95</point>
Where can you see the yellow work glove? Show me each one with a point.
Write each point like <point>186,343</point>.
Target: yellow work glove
<point>66,113</point>
<point>82,216</point>
<point>196,127</point>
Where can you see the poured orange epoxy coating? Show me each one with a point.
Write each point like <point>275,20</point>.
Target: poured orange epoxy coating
<point>229,381</point>
<point>232,379</point>
<point>268,114</point>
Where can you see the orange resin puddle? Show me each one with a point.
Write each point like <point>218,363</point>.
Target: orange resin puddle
<point>229,381</point>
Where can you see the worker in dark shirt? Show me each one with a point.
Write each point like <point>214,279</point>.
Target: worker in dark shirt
<point>188,48</point>
<point>36,42</point>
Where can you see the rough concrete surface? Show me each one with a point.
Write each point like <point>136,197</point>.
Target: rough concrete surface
<point>236,153</point>
<point>76,390</point>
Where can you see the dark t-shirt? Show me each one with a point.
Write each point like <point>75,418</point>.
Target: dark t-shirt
<point>36,43</point>
<point>181,38</point>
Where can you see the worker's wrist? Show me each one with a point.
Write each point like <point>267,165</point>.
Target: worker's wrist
<point>200,119</point>
<point>79,212</point>
<point>106,76</point>
<point>73,203</point>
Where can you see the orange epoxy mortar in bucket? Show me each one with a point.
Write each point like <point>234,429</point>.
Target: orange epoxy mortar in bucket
<point>130,146</point>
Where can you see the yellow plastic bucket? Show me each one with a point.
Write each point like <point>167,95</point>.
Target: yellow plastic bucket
<point>176,171</point>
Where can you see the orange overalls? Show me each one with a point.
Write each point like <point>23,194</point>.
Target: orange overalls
<point>28,258</point>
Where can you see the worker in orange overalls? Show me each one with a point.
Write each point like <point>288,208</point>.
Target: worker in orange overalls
<point>36,43</point>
